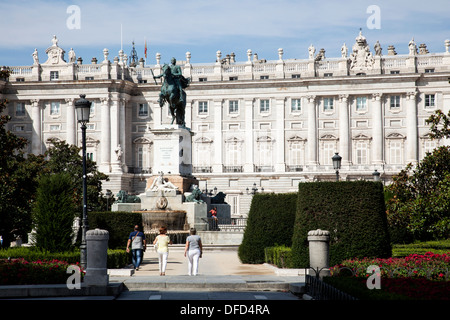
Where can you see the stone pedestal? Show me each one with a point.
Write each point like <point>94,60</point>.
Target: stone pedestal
<point>172,147</point>
<point>97,247</point>
<point>196,215</point>
<point>319,254</point>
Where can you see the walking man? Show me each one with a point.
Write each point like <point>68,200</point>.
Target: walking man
<point>138,246</point>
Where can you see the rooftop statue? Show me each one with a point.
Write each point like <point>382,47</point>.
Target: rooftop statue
<point>172,91</point>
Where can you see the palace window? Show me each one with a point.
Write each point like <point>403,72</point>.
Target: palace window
<point>143,110</point>
<point>296,105</point>
<point>430,101</point>
<point>202,107</point>
<point>395,152</point>
<point>54,108</point>
<point>54,75</point>
<point>264,105</point>
<point>362,152</point>
<point>328,104</point>
<point>233,106</point>
<point>361,103</point>
<point>394,102</point>
<point>55,127</point>
<point>20,109</point>
<point>329,148</point>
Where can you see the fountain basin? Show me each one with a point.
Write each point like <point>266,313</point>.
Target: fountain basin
<point>171,219</point>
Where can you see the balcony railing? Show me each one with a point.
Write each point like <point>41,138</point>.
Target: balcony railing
<point>294,168</point>
<point>202,169</point>
<point>233,169</point>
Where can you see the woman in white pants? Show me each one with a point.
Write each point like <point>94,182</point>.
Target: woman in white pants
<point>193,249</point>
<point>162,241</point>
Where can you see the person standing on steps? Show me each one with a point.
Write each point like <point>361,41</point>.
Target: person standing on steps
<point>138,246</point>
<point>162,242</point>
<point>193,250</point>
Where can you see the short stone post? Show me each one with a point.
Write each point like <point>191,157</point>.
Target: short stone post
<point>97,254</point>
<point>319,251</point>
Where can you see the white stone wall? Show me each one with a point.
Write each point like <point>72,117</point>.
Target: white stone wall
<point>275,147</point>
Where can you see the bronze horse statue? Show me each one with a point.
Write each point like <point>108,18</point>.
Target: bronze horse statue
<point>172,92</point>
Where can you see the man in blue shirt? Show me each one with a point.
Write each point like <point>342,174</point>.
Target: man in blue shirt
<point>138,246</point>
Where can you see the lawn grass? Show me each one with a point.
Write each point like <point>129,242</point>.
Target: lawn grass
<point>403,250</point>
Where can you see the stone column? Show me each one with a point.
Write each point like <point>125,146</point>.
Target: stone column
<point>249,143</point>
<point>218,138</point>
<point>71,122</point>
<point>36,139</point>
<point>105,144</point>
<point>157,113</point>
<point>115,136</point>
<point>97,254</point>
<point>344,130</point>
<point>411,125</point>
<point>188,114</point>
<point>377,129</point>
<point>312,131</point>
<point>319,249</point>
<point>280,164</point>
<point>123,132</point>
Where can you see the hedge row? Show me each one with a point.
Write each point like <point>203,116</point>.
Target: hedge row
<point>354,212</point>
<point>270,222</point>
<point>119,225</point>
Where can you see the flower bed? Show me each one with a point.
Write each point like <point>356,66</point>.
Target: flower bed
<point>20,272</point>
<point>415,276</point>
<point>429,265</point>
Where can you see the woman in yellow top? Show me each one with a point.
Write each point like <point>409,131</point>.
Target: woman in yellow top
<point>163,241</point>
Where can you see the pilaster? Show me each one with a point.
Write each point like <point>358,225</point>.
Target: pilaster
<point>377,130</point>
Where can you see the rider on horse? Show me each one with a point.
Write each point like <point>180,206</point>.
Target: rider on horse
<point>172,90</point>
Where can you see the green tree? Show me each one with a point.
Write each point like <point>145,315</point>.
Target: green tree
<point>63,157</point>
<point>54,213</point>
<point>420,202</point>
<point>18,181</point>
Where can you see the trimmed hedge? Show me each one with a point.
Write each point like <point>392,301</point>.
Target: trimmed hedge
<point>270,223</point>
<point>280,256</point>
<point>119,225</point>
<point>353,211</point>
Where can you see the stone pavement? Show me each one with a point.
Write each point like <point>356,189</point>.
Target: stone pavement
<point>221,277</point>
<point>219,271</point>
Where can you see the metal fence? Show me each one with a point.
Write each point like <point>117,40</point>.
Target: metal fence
<point>320,290</point>
<point>226,224</point>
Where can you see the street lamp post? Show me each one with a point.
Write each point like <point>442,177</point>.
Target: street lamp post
<point>337,164</point>
<point>254,189</point>
<point>376,175</point>
<point>108,196</point>
<point>83,108</point>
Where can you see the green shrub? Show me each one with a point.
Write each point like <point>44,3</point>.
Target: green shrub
<point>54,213</point>
<point>119,225</point>
<point>270,222</point>
<point>353,212</point>
<point>280,256</point>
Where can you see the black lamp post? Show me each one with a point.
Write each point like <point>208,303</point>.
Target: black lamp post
<point>254,189</point>
<point>108,196</point>
<point>83,108</point>
<point>337,164</point>
<point>376,175</point>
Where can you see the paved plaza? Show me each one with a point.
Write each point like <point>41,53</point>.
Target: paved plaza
<point>221,277</point>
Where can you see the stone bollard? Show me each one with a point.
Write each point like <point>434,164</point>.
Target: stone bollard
<point>97,254</point>
<point>319,243</point>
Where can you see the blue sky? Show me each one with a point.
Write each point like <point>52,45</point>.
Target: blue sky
<point>173,27</point>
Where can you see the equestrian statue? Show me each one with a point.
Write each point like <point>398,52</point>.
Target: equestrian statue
<point>172,91</point>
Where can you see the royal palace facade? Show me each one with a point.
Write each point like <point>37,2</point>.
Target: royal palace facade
<point>268,124</point>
